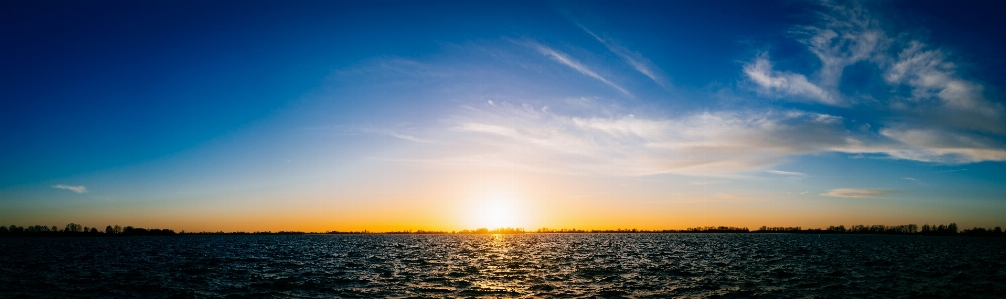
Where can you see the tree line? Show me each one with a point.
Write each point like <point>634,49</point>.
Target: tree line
<point>74,229</point>
<point>951,229</point>
<point>906,229</point>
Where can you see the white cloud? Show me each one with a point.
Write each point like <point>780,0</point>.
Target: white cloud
<point>925,110</point>
<point>708,143</point>
<point>786,173</point>
<point>78,189</point>
<point>930,112</point>
<point>952,170</point>
<point>636,60</point>
<point>938,94</point>
<point>395,134</point>
<point>780,84</point>
<point>576,65</point>
<point>846,35</point>
<point>935,145</point>
<point>859,193</point>
<point>705,183</point>
<point>598,140</point>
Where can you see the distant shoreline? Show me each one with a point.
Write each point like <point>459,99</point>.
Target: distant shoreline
<point>75,230</point>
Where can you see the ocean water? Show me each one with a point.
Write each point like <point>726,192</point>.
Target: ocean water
<point>506,266</point>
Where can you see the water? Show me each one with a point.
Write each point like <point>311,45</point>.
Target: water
<point>503,266</point>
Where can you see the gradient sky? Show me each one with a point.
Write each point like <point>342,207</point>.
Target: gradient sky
<point>352,115</point>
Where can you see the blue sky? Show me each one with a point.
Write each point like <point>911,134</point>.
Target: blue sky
<point>315,115</point>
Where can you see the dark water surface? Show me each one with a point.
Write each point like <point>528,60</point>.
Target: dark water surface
<point>492,266</point>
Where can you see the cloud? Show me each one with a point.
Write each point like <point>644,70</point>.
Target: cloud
<point>636,60</point>
<point>936,145</point>
<point>846,34</point>
<point>392,133</point>
<point>911,179</point>
<point>952,170</point>
<point>576,65</point>
<point>604,139</point>
<point>780,84</point>
<point>78,189</point>
<point>938,94</point>
<point>599,141</point>
<point>786,173</point>
<point>859,193</point>
<point>387,68</point>
<point>705,183</point>
<point>927,110</point>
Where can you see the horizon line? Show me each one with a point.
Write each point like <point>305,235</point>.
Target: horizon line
<point>903,228</point>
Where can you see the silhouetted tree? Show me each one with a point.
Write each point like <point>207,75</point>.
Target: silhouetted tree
<point>73,228</point>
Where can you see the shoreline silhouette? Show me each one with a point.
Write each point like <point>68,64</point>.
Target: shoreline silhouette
<point>76,230</point>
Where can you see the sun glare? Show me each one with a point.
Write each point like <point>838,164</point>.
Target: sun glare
<point>498,210</point>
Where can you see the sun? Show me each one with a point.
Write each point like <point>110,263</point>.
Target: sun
<point>498,210</point>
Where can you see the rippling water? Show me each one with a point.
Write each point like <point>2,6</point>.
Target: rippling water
<point>492,266</point>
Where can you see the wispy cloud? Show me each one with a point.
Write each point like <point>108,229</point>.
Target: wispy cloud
<point>398,135</point>
<point>952,170</point>
<point>786,173</point>
<point>599,142</point>
<point>636,60</point>
<point>925,110</point>
<point>705,183</point>
<point>859,193</point>
<point>574,64</point>
<point>911,179</point>
<point>938,94</point>
<point>944,146</point>
<point>845,35</point>
<point>929,112</point>
<point>391,67</point>
<point>782,84</point>
<point>78,189</point>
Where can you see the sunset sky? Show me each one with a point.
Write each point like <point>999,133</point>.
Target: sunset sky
<point>398,115</point>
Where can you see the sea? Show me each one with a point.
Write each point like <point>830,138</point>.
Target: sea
<point>588,265</point>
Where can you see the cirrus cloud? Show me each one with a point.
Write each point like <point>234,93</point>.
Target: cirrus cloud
<point>859,193</point>
<point>77,189</point>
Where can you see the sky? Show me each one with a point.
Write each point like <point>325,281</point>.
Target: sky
<point>450,115</point>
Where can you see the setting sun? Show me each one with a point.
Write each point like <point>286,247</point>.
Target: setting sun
<point>498,210</point>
